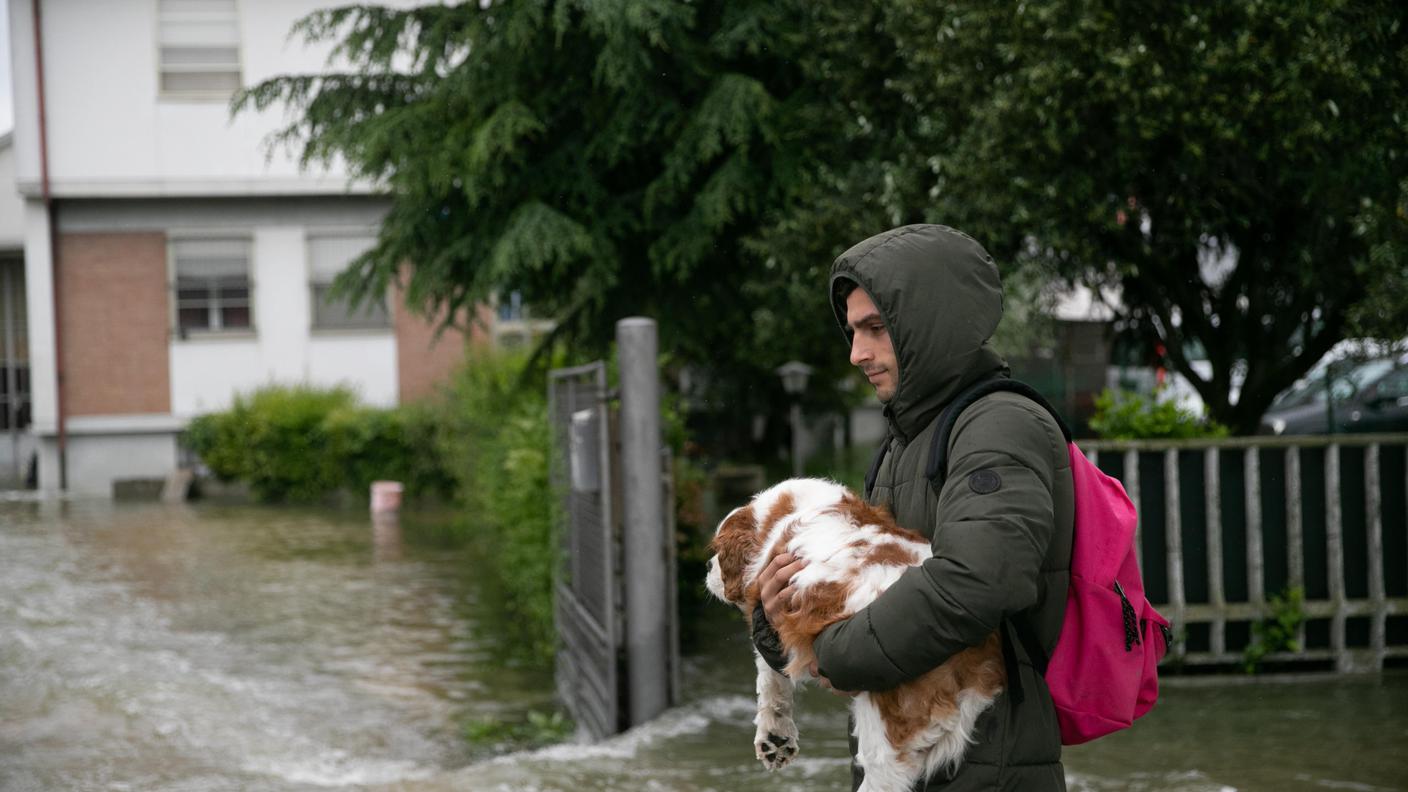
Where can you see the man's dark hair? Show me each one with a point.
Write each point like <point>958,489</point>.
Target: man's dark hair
<point>841,289</point>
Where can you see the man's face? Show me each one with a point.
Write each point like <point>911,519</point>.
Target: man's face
<point>871,349</point>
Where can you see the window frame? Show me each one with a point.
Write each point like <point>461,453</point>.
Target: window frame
<point>313,282</point>
<point>173,290</point>
<point>165,94</point>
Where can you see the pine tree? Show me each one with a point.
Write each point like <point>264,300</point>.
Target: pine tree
<point>604,159</point>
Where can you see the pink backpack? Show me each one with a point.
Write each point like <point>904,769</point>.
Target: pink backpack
<point>1103,672</point>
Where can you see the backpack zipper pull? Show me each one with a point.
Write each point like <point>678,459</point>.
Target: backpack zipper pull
<point>1131,620</point>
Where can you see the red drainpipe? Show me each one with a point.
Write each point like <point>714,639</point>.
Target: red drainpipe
<point>53,251</point>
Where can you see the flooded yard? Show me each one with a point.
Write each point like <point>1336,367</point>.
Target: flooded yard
<point>239,648</point>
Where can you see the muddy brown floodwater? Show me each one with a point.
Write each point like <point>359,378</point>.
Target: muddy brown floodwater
<point>213,647</point>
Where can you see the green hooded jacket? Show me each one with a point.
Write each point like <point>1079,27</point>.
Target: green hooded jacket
<point>1001,540</point>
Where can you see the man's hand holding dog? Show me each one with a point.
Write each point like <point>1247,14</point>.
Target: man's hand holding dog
<point>777,592</point>
<point>774,585</point>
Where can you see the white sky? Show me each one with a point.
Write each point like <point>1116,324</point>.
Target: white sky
<point>7,111</point>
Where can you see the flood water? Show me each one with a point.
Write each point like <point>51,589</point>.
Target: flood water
<point>242,648</point>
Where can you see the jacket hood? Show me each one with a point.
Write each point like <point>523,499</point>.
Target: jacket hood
<point>940,296</point>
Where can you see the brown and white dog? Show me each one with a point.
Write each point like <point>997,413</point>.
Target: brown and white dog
<point>855,551</point>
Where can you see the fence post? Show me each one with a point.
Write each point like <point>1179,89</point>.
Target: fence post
<point>1131,486</point>
<point>1173,544</point>
<point>645,551</point>
<point>1373,506</point>
<point>1256,580</point>
<point>1334,557</point>
<point>1295,551</point>
<point>1212,485</point>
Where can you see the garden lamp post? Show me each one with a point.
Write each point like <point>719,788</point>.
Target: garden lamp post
<point>794,376</point>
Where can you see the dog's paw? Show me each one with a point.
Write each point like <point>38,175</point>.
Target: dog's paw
<point>775,750</point>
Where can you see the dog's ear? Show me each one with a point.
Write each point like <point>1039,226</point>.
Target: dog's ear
<point>736,542</point>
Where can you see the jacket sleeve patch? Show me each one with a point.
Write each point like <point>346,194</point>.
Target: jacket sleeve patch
<point>984,482</point>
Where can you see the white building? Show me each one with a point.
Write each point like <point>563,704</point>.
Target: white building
<point>190,264</point>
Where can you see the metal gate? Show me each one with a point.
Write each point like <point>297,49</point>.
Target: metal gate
<point>16,443</point>
<point>587,592</point>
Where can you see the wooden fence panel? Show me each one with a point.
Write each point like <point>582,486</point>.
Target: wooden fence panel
<point>1343,556</point>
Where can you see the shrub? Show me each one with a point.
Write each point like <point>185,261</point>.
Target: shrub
<point>216,438</point>
<point>495,438</point>
<point>300,443</point>
<point>1128,416</point>
<point>493,434</point>
<point>275,440</point>
<point>397,444</point>
<point>1277,631</point>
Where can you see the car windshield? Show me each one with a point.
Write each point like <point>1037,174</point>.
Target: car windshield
<point>1345,385</point>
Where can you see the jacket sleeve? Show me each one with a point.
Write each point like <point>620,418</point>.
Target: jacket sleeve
<point>767,641</point>
<point>988,548</point>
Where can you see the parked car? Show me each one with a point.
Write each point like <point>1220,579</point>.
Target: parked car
<point>1368,396</point>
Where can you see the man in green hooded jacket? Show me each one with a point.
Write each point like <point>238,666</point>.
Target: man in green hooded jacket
<point>918,305</point>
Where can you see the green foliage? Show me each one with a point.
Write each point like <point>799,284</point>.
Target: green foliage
<point>602,159</point>
<point>1277,632</point>
<point>693,532</point>
<point>216,438</point>
<point>535,730</point>
<point>397,444</point>
<point>492,432</point>
<point>1239,171</point>
<point>275,439</point>
<point>1128,416</point>
<point>299,443</point>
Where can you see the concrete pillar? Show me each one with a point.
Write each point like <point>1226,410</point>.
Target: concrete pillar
<point>43,363</point>
<point>645,551</point>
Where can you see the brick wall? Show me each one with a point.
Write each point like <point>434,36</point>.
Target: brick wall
<point>114,318</point>
<point>421,363</point>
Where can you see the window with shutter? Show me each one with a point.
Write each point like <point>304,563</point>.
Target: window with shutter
<point>213,291</point>
<point>328,256</point>
<point>199,43</point>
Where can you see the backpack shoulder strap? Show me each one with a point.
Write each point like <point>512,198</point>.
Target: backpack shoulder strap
<point>937,469</point>
<point>874,471</point>
<point>937,473</point>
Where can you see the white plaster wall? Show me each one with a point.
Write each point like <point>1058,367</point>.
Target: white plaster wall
<point>281,302</point>
<point>96,461</point>
<point>39,301</point>
<point>365,362</point>
<point>23,94</point>
<point>11,205</point>
<point>207,373</point>
<point>111,133</point>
